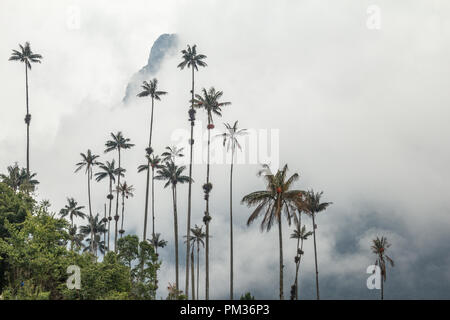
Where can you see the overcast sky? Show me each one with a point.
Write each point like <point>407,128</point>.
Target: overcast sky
<point>358,91</point>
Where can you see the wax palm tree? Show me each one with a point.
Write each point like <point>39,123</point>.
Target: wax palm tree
<point>26,56</point>
<point>153,161</point>
<point>119,143</point>
<point>192,60</point>
<point>197,238</point>
<point>126,191</point>
<point>272,202</point>
<point>173,175</point>
<point>172,154</point>
<point>157,242</point>
<point>379,248</point>
<point>89,160</point>
<point>95,228</point>
<point>149,89</point>
<point>209,101</point>
<point>109,171</point>
<point>19,180</point>
<point>230,140</point>
<point>72,209</point>
<point>311,206</point>
<point>300,234</point>
<point>77,238</point>
<point>98,244</point>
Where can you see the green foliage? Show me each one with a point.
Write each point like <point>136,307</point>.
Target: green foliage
<point>104,280</point>
<point>143,263</point>
<point>247,296</point>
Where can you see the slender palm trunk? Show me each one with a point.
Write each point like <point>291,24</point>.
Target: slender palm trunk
<point>280,239</point>
<point>110,205</point>
<point>315,256</point>
<point>192,274</point>
<point>116,217</point>
<point>297,264</point>
<point>198,269</point>
<point>27,120</point>
<point>148,183</point>
<point>382,286</point>
<point>104,233</point>
<point>188,224</point>
<point>71,242</point>
<point>90,208</point>
<point>207,220</point>
<point>231,226</point>
<point>153,202</point>
<point>123,209</point>
<point>175,226</point>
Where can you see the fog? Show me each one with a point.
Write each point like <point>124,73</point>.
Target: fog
<point>361,113</point>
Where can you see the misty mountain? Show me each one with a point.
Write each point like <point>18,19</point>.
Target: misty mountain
<point>166,45</point>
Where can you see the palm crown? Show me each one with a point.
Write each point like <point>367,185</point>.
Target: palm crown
<point>210,102</point>
<point>379,248</point>
<point>118,142</point>
<point>154,161</point>
<point>191,59</point>
<point>311,203</point>
<point>126,190</point>
<point>108,170</point>
<point>172,173</point>
<point>277,198</point>
<point>150,89</point>
<point>172,153</point>
<point>25,55</point>
<point>230,137</point>
<point>88,161</point>
<point>72,209</point>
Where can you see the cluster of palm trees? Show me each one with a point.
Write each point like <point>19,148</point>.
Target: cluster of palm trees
<point>277,200</point>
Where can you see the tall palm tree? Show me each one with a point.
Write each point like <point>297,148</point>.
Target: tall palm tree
<point>153,161</point>
<point>119,143</point>
<point>126,191</point>
<point>149,89</point>
<point>26,56</point>
<point>110,171</point>
<point>230,139</point>
<point>311,206</point>
<point>89,160</point>
<point>272,202</point>
<point>72,209</point>
<point>379,248</point>
<point>209,101</point>
<point>301,235</point>
<point>192,60</point>
<point>174,175</point>
<point>95,228</point>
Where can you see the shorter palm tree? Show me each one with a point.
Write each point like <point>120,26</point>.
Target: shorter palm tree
<point>197,238</point>
<point>301,235</point>
<point>72,209</point>
<point>278,198</point>
<point>379,248</point>
<point>126,191</point>
<point>153,161</point>
<point>109,171</point>
<point>173,175</point>
<point>172,153</point>
<point>95,228</point>
<point>19,180</point>
<point>311,205</point>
